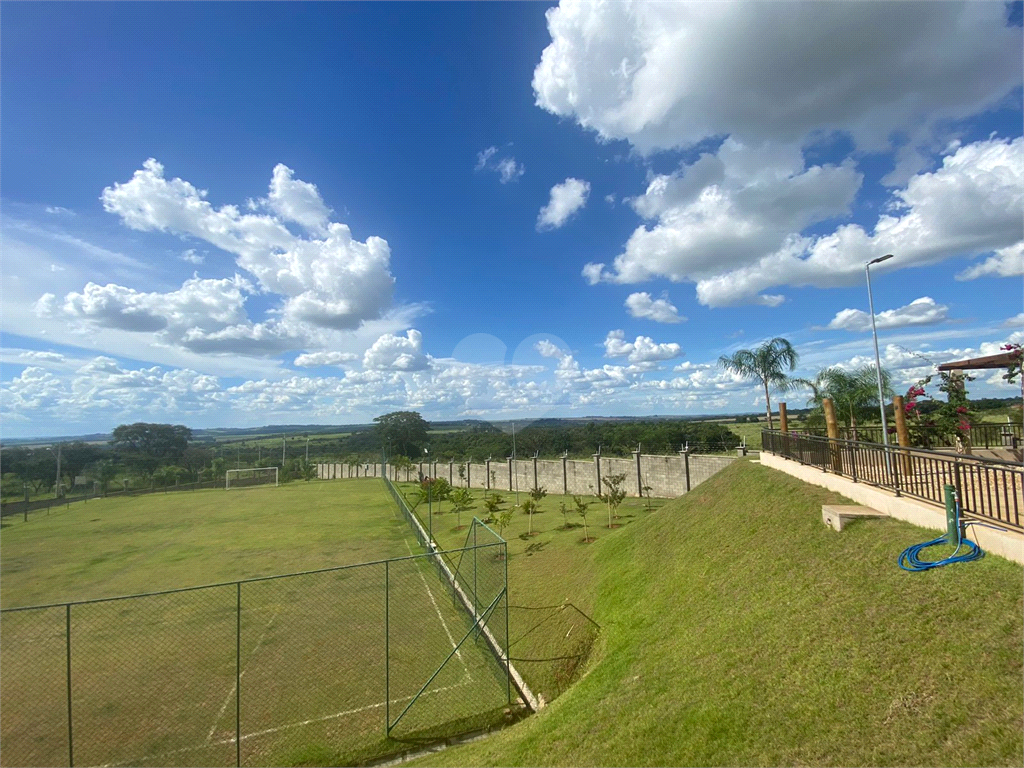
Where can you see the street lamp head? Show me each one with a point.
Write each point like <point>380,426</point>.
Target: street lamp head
<point>880,259</point>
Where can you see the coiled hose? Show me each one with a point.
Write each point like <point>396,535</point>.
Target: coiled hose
<point>909,560</point>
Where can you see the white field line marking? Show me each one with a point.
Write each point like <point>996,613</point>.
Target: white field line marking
<point>231,693</point>
<point>275,729</point>
<point>455,645</point>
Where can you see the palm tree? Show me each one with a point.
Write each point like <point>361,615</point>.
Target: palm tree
<point>767,364</point>
<point>853,392</point>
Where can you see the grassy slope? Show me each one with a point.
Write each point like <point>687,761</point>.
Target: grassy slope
<point>740,630</point>
<point>548,569</point>
<point>162,541</point>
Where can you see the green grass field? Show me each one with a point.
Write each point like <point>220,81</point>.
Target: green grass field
<point>738,630</point>
<point>551,578</point>
<point>154,677</point>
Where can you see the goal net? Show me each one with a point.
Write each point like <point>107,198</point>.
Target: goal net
<point>242,478</point>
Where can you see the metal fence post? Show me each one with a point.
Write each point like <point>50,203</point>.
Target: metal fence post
<point>686,467</point>
<point>508,661</point>
<point>67,632</point>
<point>894,465</point>
<point>238,673</point>
<point>476,602</point>
<point>387,649</point>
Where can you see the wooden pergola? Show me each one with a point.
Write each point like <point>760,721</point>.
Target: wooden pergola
<point>1002,360</point>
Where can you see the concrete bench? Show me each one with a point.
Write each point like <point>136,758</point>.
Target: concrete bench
<point>838,515</point>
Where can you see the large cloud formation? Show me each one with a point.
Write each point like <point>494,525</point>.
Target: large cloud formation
<point>736,231</point>
<point>322,280</point>
<point>669,74</point>
<point>329,280</point>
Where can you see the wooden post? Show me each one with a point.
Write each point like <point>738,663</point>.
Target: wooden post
<point>902,433</point>
<point>783,421</point>
<point>832,426</point>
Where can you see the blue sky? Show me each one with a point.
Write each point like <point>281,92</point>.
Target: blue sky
<point>233,215</point>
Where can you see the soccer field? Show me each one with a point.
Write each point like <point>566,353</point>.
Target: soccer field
<point>307,668</point>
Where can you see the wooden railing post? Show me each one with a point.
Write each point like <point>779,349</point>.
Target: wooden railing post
<point>832,425</point>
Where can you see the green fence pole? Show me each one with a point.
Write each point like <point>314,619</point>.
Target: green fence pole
<point>508,661</point>
<point>387,648</point>
<point>67,632</point>
<point>952,526</point>
<point>238,673</point>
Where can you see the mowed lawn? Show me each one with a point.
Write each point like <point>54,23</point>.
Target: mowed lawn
<point>159,541</point>
<point>552,576</point>
<point>737,629</point>
<point>153,678</point>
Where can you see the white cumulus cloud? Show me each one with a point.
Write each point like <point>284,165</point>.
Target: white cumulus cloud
<point>328,281</point>
<point>659,310</point>
<point>643,349</point>
<point>669,74</point>
<point>922,311</point>
<point>726,210</point>
<point>566,199</point>
<point>312,359</point>
<point>397,353</point>
<point>1006,262</point>
<point>506,167</point>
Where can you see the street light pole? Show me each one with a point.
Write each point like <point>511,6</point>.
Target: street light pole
<point>515,462</point>
<point>874,334</point>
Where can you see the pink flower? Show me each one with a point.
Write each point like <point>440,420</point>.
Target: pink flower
<point>961,409</point>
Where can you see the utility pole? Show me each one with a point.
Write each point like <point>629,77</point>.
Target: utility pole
<point>307,450</point>
<point>283,439</point>
<point>515,471</point>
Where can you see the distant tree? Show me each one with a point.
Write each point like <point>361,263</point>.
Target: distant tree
<point>529,506</point>
<point>565,515</point>
<point>614,494</point>
<point>504,519</point>
<point>106,470</point>
<point>582,507</point>
<point>645,491</point>
<point>406,430</point>
<point>307,470</point>
<point>440,490</point>
<point>462,499</point>
<point>533,506</point>
<point>768,365</point>
<point>144,447</point>
<point>75,457</point>
<point>493,504</point>
<point>194,458</point>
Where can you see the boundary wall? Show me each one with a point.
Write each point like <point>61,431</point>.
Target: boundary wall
<point>665,476</point>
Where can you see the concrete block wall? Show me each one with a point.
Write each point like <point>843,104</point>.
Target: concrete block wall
<point>665,474</point>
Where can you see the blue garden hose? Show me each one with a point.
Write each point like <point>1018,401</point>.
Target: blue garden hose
<point>909,560</point>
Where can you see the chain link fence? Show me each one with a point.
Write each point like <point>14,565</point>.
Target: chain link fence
<point>344,665</point>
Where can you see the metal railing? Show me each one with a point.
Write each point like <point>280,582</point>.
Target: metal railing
<point>989,435</point>
<point>987,488</point>
<point>342,664</point>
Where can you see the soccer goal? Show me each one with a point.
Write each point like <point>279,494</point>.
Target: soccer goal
<point>241,478</point>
